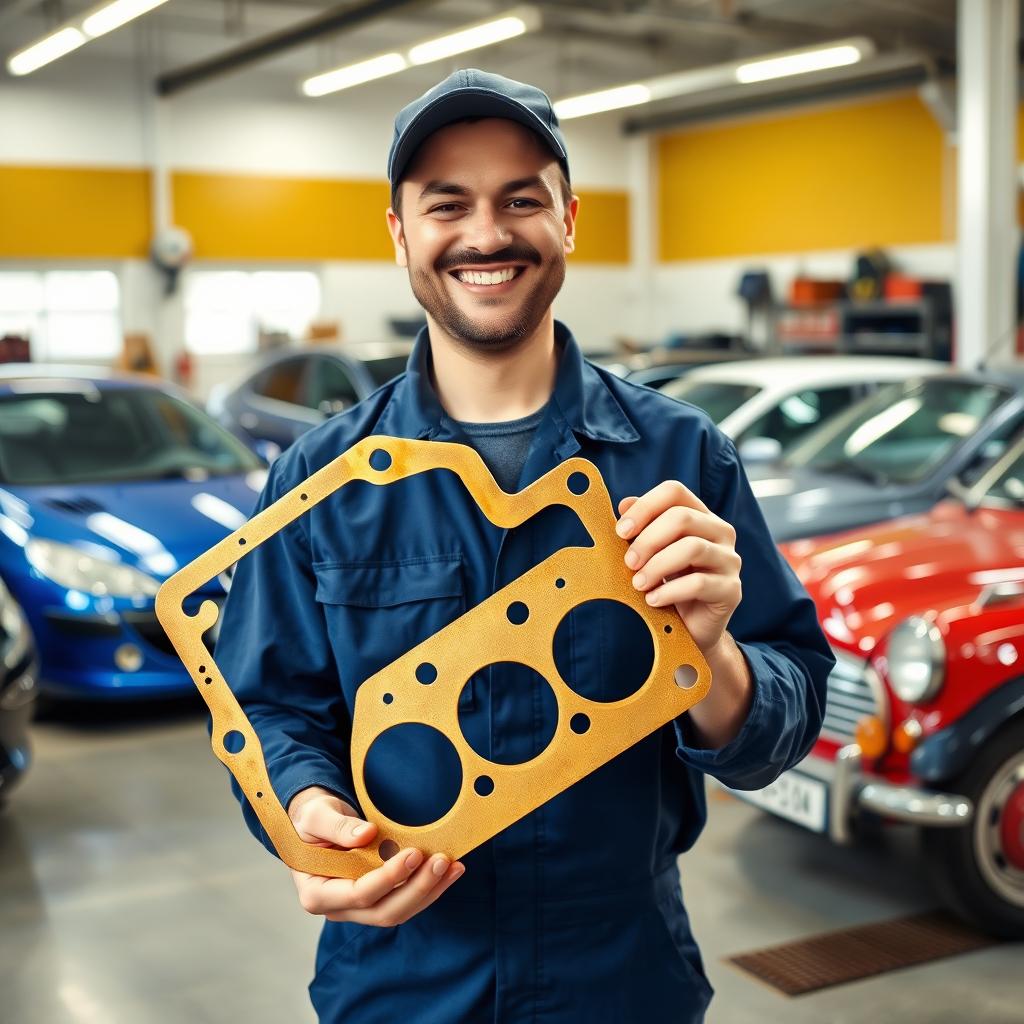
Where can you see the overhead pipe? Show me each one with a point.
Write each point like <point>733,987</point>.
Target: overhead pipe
<point>334,20</point>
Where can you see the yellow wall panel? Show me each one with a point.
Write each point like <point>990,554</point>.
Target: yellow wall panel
<point>60,212</point>
<point>848,176</point>
<point>242,217</point>
<point>257,218</point>
<point>602,227</point>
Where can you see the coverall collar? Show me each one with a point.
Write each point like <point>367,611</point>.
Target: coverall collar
<point>581,398</point>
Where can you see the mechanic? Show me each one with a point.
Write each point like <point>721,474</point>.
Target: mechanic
<point>573,913</point>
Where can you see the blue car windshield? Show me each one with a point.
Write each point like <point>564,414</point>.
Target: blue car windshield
<point>93,435</point>
<point>903,432</point>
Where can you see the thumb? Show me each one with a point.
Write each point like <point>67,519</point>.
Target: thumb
<point>329,821</point>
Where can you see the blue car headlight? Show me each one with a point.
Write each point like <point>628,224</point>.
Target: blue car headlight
<point>74,569</point>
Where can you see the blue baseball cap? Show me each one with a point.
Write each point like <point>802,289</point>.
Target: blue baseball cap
<point>472,93</point>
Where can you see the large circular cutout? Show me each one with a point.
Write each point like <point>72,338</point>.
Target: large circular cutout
<point>413,773</point>
<point>603,650</point>
<point>523,714</point>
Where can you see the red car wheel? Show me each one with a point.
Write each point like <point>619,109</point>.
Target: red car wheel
<point>980,869</point>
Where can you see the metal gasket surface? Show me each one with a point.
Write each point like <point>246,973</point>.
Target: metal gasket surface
<point>482,636</point>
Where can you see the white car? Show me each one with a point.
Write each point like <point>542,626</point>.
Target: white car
<point>766,405</point>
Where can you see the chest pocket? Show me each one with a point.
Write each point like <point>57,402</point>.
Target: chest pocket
<point>377,611</point>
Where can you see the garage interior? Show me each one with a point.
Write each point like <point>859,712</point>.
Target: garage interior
<point>192,193</point>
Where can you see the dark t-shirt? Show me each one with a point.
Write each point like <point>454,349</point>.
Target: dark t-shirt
<point>504,446</point>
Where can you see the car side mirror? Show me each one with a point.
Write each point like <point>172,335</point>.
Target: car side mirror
<point>760,449</point>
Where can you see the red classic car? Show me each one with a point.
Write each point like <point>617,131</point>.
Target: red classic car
<point>925,715</point>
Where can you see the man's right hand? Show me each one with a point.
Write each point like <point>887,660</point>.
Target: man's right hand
<point>387,896</point>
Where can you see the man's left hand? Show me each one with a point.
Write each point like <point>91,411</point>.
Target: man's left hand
<point>682,554</point>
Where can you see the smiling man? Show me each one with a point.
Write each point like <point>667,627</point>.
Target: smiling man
<point>574,912</point>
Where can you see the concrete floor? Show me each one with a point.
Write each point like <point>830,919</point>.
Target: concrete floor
<point>130,893</point>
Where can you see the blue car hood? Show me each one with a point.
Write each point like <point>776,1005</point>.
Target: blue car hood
<point>157,526</point>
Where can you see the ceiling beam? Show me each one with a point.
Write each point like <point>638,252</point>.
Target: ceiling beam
<point>336,19</point>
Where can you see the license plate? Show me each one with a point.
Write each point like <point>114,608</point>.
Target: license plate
<point>792,796</point>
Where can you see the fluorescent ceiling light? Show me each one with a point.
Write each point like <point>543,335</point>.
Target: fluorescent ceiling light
<point>472,38</point>
<point>718,76</point>
<point>798,63</point>
<point>113,15</point>
<point>354,74</point>
<point>47,49</point>
<point>97,21</point>
<point>485,33</point>
<point>598,102</point>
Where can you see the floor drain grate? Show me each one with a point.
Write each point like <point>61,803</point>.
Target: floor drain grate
<point>836,958</point>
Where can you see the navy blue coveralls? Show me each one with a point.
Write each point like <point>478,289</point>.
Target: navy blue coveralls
<point>573,913</point>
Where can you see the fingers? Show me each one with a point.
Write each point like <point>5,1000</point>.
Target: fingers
<point>645,509</point>
<point>705,588</point>
<point>334,896</point>
<point>672,525</point>
<point>325,820</point>
<point>421,890</point>
<point>682,556</point>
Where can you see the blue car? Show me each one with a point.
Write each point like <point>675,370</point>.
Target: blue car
<point>108,485</point>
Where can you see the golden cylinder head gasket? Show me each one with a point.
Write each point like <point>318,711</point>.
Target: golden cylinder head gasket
<point>423,686</point>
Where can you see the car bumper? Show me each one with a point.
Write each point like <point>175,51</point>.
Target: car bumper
<point>846,792</point>
<point>80,655</point>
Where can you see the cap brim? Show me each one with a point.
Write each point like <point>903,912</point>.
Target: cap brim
<point>458,106</point>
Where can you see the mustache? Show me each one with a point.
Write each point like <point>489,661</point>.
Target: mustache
<point>519,253</point>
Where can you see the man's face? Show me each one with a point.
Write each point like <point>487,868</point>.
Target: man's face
<point>484,231</point>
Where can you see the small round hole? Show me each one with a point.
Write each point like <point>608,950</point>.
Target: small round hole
<point>234,742</point>
<point>208,679</point>
<point>484,785</point>
<point>559,584</point>
<point>388,698</point>
<point>259,795</point>
<point>578,483</point>
<point>685,676</point>
<point>304,497</point>
<point>426,673</point>
<point>380,460</point>
<point>241,542</point>
<point>202,668</point>
<point>517,613</point>
<point>668,629</point>
<point>579,724</point>
<point>388,849</point>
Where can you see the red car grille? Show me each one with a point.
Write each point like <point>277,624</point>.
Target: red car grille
<point>850,697</point>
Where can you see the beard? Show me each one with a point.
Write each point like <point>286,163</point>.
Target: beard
<point>498,334</point>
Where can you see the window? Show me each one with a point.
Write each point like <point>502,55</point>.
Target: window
<point>96,435</point>
<point>282,381</point>
<point>330,387</point>
<point>798,413</point>
<point>66,314</point>
<point>717,398</point>
<point>902,432</point>
<point>225,310</point>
